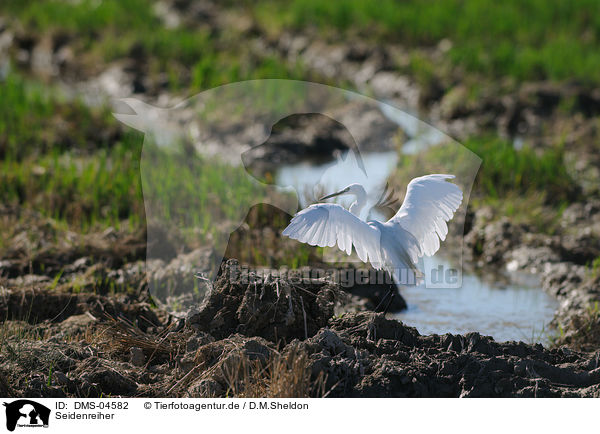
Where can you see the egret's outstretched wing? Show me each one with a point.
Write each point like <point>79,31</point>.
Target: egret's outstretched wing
<point>328,224</point>
<point>430,202</point>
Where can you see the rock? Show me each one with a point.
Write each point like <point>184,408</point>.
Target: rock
<point>489,242</point>
<point>402,90</point>
<point>354,355</point>
<point>578,292</point>
<point>579,212</point>
<point>192,344</point>
<point>563,278</point>
<point>136,356</point>
<point>29,279</point>
<point>581,248</point>
<point>104,378</point>
<point>80,265</point>
<point>187,363</point>
<point>455,103</point>
<point>499,237</point>
<point>533,260</point>
<point>205,388</point>
<point>371,129</point>
<point>60,379</point>
<point>37,305</point>
<point>76,324</point>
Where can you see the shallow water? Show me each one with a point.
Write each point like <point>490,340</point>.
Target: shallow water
<point>518,311</point>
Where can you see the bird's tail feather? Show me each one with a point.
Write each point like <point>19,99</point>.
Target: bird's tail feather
<point>403,269</point>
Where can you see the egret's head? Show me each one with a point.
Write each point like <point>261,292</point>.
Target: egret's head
<point>355,189</point>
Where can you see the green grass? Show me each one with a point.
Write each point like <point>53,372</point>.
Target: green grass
<point>57,162</point>
<point>58,158</point>
<point>192,191</point>
<point>189,192</point>
<point>87,17</point>
<point>105,188</point>
<point>528,186</point>
<point>504,172</point>
<point>192,58</point>
<point>76,164</point>
<point>505,169</point>
<point>65,159</point>
<point>595,268</point>
<point>87,182</point>
<point>527,40</point>
<point>83,191</point>
<point>36,119</point>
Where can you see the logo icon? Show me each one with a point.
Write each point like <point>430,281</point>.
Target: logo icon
<point>210,160</point>
<point>26,413</point>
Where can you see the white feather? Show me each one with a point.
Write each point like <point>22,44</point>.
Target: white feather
<point>396,245</point>
<point>430,202</point>
<point>336,226</point>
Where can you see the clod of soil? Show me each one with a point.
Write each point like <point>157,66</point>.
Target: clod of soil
<point>273,308</point>
<point>265,337</point>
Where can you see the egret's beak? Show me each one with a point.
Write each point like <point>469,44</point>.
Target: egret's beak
<point>345,190</point>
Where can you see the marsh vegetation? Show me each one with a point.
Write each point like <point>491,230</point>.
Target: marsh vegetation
<point>516,83</point>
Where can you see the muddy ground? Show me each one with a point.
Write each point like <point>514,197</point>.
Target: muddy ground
<point>560,260</point>
<point>252,337</point>
<point>96,331</point>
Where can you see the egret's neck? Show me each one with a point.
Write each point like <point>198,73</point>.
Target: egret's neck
<point>360,202</point>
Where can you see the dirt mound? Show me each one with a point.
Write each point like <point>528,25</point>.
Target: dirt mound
<point>269,307</point>
<point>367,355</point>
<point>265,337</point>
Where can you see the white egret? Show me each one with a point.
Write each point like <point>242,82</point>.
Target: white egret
<point>396,245</point>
